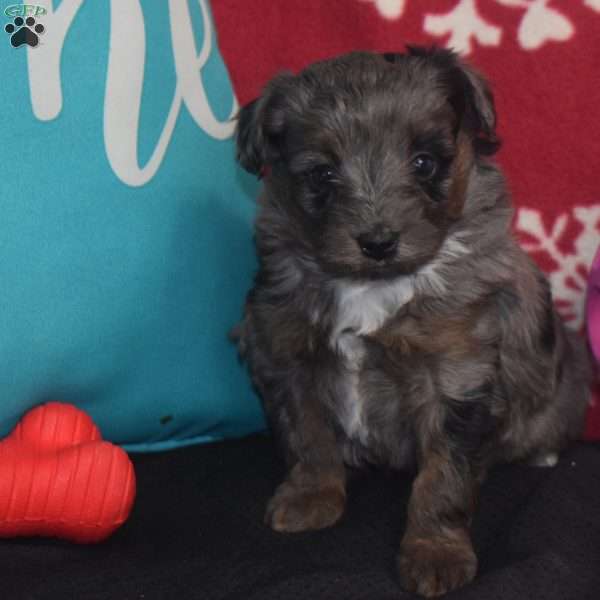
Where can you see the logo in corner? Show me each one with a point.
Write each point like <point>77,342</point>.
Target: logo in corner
<point>24,28</point>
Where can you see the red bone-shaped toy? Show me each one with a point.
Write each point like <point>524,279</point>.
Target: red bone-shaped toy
<point>59,478</point>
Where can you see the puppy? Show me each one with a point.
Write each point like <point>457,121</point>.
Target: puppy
<point>394,320</point>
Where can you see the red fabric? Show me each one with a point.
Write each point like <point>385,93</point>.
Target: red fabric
<point>543,60</point>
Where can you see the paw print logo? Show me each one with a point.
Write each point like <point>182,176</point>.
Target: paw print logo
<point>24,32</point>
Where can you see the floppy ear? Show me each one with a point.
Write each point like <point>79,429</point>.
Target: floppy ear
<point>249,139</point>
<point>470,96</point>
<point>260,124</point>
<point>479,116</point>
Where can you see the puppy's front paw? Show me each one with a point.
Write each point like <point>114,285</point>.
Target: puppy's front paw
<point>293,509</point>
<point>433,566</point>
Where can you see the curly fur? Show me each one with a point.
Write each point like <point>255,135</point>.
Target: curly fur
<point>446,355</point>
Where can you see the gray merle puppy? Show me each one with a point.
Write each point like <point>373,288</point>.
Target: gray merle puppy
<point>394,320</point>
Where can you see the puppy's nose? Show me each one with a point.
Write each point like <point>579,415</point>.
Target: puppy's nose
<point>378,245</point>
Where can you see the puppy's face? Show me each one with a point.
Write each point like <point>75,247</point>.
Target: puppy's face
<point>368,157</point>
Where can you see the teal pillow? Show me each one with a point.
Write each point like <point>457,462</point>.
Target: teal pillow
<point>125,226</point>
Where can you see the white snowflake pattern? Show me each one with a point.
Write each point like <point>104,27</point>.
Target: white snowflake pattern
<point>464,24</point>
<point>389,9</point>
<point>540,23</point>
<point>569,280</point>
<point>593,4</point>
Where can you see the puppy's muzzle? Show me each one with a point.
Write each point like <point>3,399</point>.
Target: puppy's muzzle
<point>378,244</point>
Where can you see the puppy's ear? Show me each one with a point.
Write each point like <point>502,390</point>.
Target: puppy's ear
<point>469,95</point>
<point>249,139</point>
<point>479,116</point>
<point>260,124</point>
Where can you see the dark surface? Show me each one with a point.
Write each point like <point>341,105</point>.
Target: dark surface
<point>196,532</point>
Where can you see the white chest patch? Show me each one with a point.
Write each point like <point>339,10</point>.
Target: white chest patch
<point>362,308</point>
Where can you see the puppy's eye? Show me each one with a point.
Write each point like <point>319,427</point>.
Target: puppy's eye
<point>425,166</point>
<point>320,178</point>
